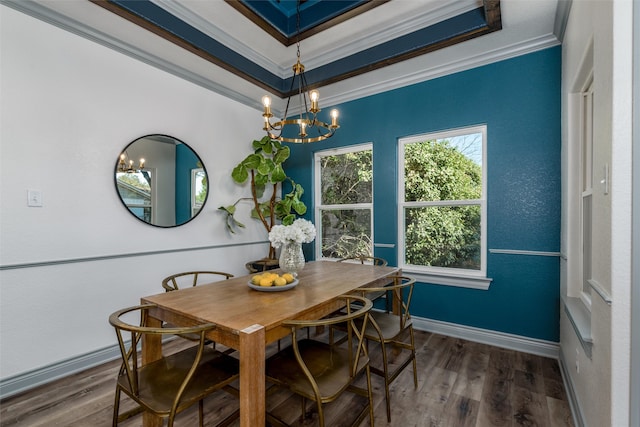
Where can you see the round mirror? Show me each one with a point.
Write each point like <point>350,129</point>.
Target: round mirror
<point>161,180</point>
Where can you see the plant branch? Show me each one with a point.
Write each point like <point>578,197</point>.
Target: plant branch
<point>256,203</point>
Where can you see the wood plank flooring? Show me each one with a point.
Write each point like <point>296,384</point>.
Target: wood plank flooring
<point>460,383</point>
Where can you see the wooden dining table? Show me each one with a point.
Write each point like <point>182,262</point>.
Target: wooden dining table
<point>247,320</point>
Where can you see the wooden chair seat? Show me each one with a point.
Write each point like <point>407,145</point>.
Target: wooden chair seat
<point>388,327</point>
<point>329,365</point>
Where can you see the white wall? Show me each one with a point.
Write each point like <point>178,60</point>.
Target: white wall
<point>68,108</point>
<point>601,383</point>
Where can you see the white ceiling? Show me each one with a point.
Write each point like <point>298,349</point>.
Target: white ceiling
<point>527,26</point>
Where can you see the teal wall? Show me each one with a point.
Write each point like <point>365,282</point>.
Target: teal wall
<point>519,101</point>
<point>186,160</point>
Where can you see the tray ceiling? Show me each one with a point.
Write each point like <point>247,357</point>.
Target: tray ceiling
<point>350,48</point>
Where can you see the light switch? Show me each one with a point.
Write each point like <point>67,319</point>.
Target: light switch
<point>34,198</point>
<point>605,180</point>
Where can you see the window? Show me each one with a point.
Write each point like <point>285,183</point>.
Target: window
<point>344,201</point>
<point>198,190</point>
<point>577,220</point>
<point>442,207</point>
<point>135,192</point>
<point>586,172</point>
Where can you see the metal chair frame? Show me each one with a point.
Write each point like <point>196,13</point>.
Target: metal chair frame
<point>293,368</point>
<point>170,283</point>
<point>387,329</point>
<point>175,382</point>
<point>374,261</point>
<point>366,258</point>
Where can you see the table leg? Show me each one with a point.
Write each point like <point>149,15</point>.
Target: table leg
<point>252,376</point>
<point>151,350</point>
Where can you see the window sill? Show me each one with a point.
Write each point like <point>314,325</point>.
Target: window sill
<point>471,282</point>
<point>580,319</point>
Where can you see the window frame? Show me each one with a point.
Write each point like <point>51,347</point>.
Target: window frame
<point>317,185</point>
<point>476,279</point>
<point>152,197</point>
<point>586,189</point>
<point>195,206</point>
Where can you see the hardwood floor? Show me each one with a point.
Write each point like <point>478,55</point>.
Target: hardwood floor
<point>460,383</point>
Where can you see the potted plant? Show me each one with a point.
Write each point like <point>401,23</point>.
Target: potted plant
<point>264,171</point>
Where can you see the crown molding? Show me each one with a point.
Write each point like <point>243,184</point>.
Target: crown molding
<point>216,33</point>
<point>562,17</point>
<point>455,66</point>
<point>321,56</point>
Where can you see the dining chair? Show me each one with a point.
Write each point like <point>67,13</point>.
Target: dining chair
<point>174,382</point>
<point>179,281</point>
<point>392,329</point>
<point>192,278</point>
<point>368,259</point>
<point>320,372</point>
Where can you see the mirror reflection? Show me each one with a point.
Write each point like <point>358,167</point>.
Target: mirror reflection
<point>161,180</point>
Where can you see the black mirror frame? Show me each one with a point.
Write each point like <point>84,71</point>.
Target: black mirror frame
<point>178,141</point>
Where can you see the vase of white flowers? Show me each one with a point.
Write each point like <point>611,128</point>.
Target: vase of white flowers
<point>291,237</point>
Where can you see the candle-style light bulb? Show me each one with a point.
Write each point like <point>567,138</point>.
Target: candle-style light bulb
<point>141,163</point>
<point>334,118</point>
<point>303,129</point>
<point>314,95</point>
<point>266,101</point>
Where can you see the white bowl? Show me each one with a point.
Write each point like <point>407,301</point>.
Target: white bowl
<point>273,288</point>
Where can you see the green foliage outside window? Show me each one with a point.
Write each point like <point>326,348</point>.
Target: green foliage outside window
<point>346,180</point>
<point>443,234</point>
<point>443,187</point>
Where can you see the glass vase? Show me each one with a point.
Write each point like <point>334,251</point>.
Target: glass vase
<point>292,258</point>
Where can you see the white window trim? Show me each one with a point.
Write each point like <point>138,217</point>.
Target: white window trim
<point>317,156</point>
<point>475,279</point>
<point>576,301</point>
<point>586,183</point>
<point>194,204</point>
<point>154,193</point>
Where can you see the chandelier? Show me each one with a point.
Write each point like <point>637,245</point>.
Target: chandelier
<point>306,127</point>
<point>125,166</point>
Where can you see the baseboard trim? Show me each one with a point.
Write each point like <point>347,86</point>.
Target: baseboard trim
<point>22,382</point>
<point>572,397</point>
<point>485,336</point>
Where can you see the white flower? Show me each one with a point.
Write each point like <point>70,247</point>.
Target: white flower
<point>301,231</point>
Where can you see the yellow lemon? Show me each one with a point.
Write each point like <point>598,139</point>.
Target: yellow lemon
<point>288,277</point>
<point>256,279</point>
<point>280,281</point>
<point>266,282</point>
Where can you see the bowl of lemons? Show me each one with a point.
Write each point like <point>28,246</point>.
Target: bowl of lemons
<point>272,282</point>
